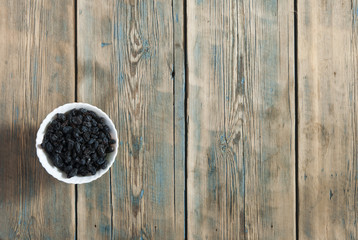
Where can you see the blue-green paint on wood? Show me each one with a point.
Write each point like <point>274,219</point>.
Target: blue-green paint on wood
<point>146,50</point>
<point>103,44</point>
<point>120,80</point>
<point>34,77</point>
<point>59,59</point>
<point>243,178</point>
<point>104,229</point>
<point>16,118</point>
<point>197,55</point>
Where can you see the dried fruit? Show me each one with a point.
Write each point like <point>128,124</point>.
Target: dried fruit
<point>77,142</point>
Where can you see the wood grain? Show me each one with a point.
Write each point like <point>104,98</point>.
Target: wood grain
<point>128,66</point>
<point>241,172</point>
<point>179,78</point>
<point>327,128</point>
<point>37,75</point>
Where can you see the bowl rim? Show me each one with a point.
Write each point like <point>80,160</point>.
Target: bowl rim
<point>45,161</point>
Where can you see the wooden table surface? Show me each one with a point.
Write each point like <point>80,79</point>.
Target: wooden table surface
<point>237,119</point>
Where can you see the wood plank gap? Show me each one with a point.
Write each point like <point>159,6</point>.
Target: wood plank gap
<point>186,82</point>
<point>111,200</point>
<point>296,117</point>
<point>173,78</point>
<point>76,88</point>
<point>75,49</point>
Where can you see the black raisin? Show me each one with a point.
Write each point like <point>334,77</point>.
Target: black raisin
<point>59,149</point>
<point>100,161</point>
<point>57,161</point>
<point>95,130</point>
<point>104,165</point>
<point>96,145</point>
<point>102,120</point>
<point>87,124</point>
<point>101,134</point>
<point>46,138</point>
<point>88,159</point>
<point>68,169</point>
<point>91,141</point>
<point>76,120</point>
<point>86,152</point>
<point>91,169</point>
<point>93,114</point>
<point>86,136</point>
<point>68,159</point>
<point>56,125</point>
<point>83,171</point>
<point>76,133</point>
<point>53,138</point>
<point>109,149</point>
<point>67,129</point>
<point>88,118</point>
<point>78,147</point>
<point>72,173</point>
<point>106,128</point>
<point>70,144</point>
<point>82,161</point>
<point>83,110</point>
<point>84,129</point>
<point>48,147</point>
<point>74,112</point>
<point>112,141</point>
<point>105,140</point>
<point>61,117</point>
<point>101,151</point>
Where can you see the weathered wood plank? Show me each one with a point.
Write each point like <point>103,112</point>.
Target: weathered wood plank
<point>241,120</point>
<point>37,75</point>
<point>178,76</point>
<point>95,86</point>
<point>126,58</point>
<point>327,129</point>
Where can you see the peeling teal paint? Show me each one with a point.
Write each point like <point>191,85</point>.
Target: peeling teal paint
<point>105,44</point>
<point>104,229</point>
<point>197,55</point>
<point>146,50</point>
<point>59,59</point>
<point>34,77</point>
<point>120,80</point>
<point>16,115</point>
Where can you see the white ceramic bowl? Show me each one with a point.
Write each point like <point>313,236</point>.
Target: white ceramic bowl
<point>47,163</point>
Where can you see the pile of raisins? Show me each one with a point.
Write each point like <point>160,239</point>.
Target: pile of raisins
<point>77,142</point>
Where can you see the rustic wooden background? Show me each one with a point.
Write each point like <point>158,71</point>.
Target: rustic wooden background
<point>237,119</point>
